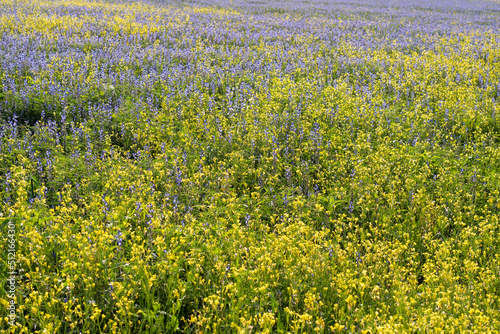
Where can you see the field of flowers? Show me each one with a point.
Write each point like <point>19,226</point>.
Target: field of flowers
<point>249,167</point>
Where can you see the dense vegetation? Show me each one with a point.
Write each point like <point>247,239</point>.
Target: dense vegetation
<point>250,167</point>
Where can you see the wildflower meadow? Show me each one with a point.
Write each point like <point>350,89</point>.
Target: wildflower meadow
<point>266,166</point>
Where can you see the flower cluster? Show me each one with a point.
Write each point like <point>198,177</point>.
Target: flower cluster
<point>249,167</point>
